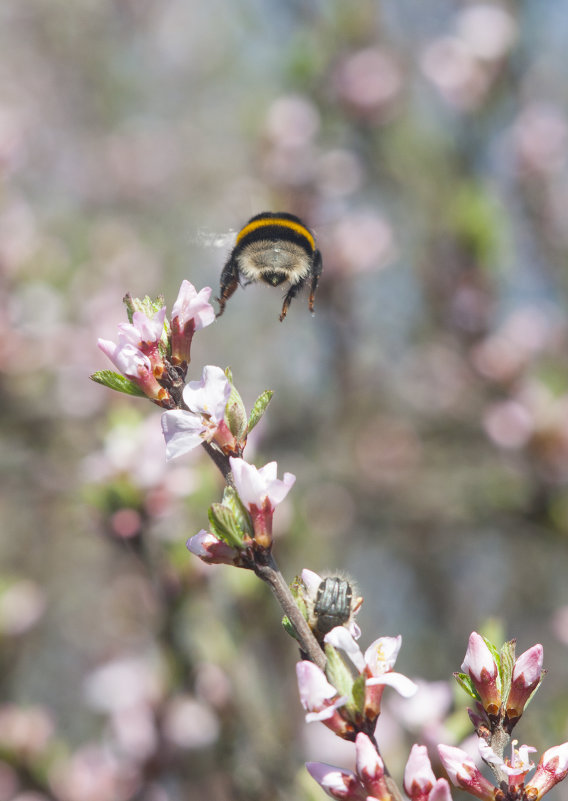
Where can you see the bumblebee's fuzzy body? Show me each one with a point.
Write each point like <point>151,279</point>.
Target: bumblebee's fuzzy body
<point>273,248</point>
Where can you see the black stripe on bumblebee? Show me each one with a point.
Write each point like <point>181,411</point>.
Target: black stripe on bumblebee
<point>273,247</point>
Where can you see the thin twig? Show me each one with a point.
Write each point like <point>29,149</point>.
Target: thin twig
<point>221,461</point>
<point>271,574</point>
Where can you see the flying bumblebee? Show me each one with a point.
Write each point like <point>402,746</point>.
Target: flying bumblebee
<point>273,247</point>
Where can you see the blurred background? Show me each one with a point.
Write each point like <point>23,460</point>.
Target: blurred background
<point>424,409</point>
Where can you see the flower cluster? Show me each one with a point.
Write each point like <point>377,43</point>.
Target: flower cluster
<point>371,782</point>
<point>347,697</point>
<point>349,706</point>
<point>242,524</point>
<point>501,685</point>
<point>464,773</point>
<point>339,684</point>
<point>153,356</point>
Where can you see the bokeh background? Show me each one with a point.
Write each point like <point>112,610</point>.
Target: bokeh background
<point>424,409</point>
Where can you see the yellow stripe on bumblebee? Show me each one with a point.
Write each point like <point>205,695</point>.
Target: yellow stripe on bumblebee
<point>280,221</point>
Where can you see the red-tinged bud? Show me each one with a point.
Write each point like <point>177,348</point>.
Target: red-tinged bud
<point>419,778</point>
<point>464,773</point>
<point>338,783</point>
<point>226,441</point>
<point>262,523</point>
<point>484,673</point>
<point>552,768</point>
<point>371,768</point>
<point>136,366</point>
<point>527,675</point>
<point>212,550</point>
<point>480,721</point>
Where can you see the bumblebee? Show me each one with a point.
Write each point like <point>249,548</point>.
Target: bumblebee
<point>273,247</point>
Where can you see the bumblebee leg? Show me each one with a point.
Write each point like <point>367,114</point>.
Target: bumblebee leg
<point>290,295</point>
<point>229,283</point>
<point>316,272</point>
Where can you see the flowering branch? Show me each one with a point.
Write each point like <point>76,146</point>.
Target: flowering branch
<point>339,684</point>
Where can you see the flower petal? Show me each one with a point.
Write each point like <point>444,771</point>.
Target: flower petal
<point>402,684</point>
<point>340,638</point>
<point>210,395</point>
<point>182,431</point>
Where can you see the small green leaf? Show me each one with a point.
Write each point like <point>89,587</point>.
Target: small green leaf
<point>338,673</point>
<point>259,408</point>
<point>118,382</point>
<point>241,515</point>
<point>229,375</point>
<point>466,684</point>
<point>236,415</point>
<point>494,653</point>
<point>225,526</point>
<point>147,305</point>
<point>507,660</point>
<point>358,693</point>
<point>288,627</point>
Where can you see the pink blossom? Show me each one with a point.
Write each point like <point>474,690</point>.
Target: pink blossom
<point>464,773</point>
<point>190,313</point>
<point>552,768</point>
<point>260,491</point>
<point>319,698</point>
<point>515,768</point>
<point>143,332</point>
<point>376,665</point>
<point>207,400</point>
<point>135,365</point>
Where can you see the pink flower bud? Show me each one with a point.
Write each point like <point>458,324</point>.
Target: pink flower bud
<point>212,550</point>
<point>440,791</point>
<point>464,773</point>
<point>419,778</point>
<point>136,366</point>
<point>527,675</point>
<point>371,768</point>
<point>552,768</point>
<point>341,784</point>
<point>482,668</point>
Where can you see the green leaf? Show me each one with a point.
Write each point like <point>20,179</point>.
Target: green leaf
<point>225,526</point>
<point>147,305</point>
<point>507,659</point>
<point>259,408</point>
<point>236,415</point>
<point>240,513</point>
<point>494,653</point>
<point>229,375</point>
<point>358,692</point>
<point>288,627</point>
<point>118,382</point>
<point>466,684</point>
<point>338,673</point>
